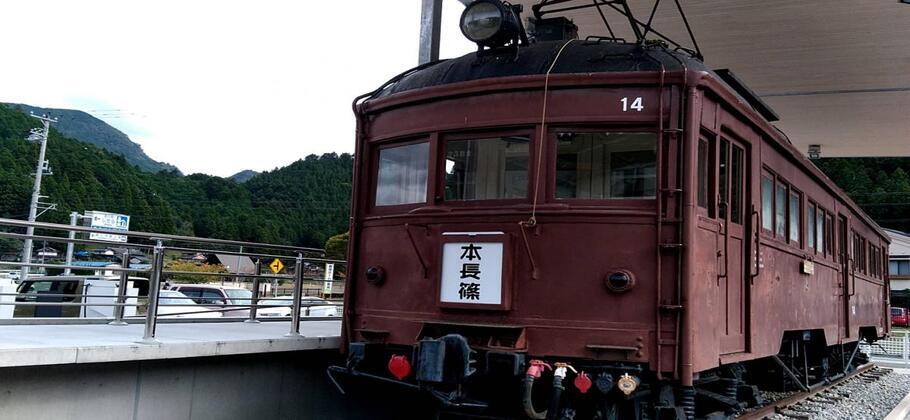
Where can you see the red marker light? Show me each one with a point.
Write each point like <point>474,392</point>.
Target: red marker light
<point>583,382</point>
<point>399,366</point>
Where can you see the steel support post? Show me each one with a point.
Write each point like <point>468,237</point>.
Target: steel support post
<point>430,25</point>
<point>151,317</point>
<point>254,301</point>
<point>298,289</point>
<point>74,220</point>
<point>121,290</point>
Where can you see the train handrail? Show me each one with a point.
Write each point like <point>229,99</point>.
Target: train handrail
<point>756,232</point>
<point>852,265</point>
<point>725,224</point>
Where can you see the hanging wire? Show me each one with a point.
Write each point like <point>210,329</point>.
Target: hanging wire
<point>541,139</point>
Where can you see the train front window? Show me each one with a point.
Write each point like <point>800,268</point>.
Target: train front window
<point>402,177</point>
<point>487,168</point>
<point>606,165</point>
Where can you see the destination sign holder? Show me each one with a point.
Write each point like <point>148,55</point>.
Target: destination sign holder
<point>505,301</point>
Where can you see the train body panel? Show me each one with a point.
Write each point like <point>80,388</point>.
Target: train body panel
<point>648,221</point>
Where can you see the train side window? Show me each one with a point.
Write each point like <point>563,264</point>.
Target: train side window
<point>703,174</point>
<point>829,234</point>
<point>767,203</point>
<point>859,252</point>
<point>865,256</point>
<point>819,231</point>
<point>780,216</point>
<point>810,226</point>
<point>736,186</point>
<point>487,168</point>
<point>606,165</point>
<point>722,169</point>
<point>873,260</point>
<point>794,217</point>
<point>402,176</point>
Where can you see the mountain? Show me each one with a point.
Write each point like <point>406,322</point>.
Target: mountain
<point>86,128</point>
<point>85,178</point>
<point>243,176</point>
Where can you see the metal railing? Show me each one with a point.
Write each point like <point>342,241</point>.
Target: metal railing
<point>893,349</point>
<point>158,249</point>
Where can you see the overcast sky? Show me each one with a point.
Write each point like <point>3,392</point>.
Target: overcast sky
<point>214,87</point>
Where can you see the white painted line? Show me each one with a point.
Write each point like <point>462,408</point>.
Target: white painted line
<point>36,345</point>
<point>901,411</point>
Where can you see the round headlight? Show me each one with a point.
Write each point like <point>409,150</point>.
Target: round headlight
<point>482,20</point>
<point>619,281</point>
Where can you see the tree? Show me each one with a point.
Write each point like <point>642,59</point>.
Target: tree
<point>336,248</point>
<point>189,266</point>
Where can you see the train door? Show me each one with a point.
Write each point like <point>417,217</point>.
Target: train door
<point>843,257</point>
<point>733,183</point>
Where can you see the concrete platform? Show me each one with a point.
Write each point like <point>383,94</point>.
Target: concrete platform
<point>38,345</point>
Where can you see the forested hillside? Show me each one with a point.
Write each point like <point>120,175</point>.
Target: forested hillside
<point>301,204</point>
<point>881,186</point>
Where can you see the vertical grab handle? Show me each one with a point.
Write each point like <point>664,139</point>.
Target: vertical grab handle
<point>724,223</point>
<point>756,229</point>
<point>852,277</point>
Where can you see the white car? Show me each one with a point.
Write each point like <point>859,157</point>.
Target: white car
<point>309,307</point>
<point>172,303</point>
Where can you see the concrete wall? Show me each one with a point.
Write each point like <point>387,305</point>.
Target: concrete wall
<point>289,385</point>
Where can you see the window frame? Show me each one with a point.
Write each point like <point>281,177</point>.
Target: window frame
<point>768,174</point>
<point>443,140</point>
<point>550,193</point>
<point>373,173</point>
<point>778,183</point>
<point>791,192</point>
<point>819,248</point>
<point>706,178</point>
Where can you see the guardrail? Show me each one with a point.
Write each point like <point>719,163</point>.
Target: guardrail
<point>158,248</point>
<point>895,349</point>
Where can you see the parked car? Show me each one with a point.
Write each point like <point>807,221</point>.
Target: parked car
<point>900,317</point>
<point>213,295</point>
<point>309,307</point>
<point>174,304</point>
<point>45,289</point>
<point>10,274</point>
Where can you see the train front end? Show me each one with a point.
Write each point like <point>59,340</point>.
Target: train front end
<point>516,231</point>
<point>500,251</point>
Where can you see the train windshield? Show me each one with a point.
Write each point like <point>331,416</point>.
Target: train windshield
<point>403,174</point>
<point>602,165</point>
<point>487,168</point>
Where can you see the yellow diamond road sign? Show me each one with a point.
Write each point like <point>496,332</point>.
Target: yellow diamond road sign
<point>276,266</point>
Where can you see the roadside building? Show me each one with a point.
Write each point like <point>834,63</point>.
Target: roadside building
<point>899,268</point>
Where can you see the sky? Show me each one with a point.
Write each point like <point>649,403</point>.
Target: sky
<point>215,87</point>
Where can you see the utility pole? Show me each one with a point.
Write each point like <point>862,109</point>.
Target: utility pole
<point>37,135</point>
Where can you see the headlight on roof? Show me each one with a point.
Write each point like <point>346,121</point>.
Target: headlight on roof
<point>491,23</point>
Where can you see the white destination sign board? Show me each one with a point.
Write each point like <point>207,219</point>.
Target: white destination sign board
<point>109,221</point>
<point>472,273</point>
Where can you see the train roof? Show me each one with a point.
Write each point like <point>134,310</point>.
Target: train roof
<point>535,59</point>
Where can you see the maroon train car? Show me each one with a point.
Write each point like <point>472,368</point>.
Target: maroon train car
<point>600,229</point>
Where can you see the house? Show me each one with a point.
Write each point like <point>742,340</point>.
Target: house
<point>899,268</point>
<point>233,263</point>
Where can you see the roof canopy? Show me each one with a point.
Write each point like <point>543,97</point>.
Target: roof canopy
<point>836,72</point>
